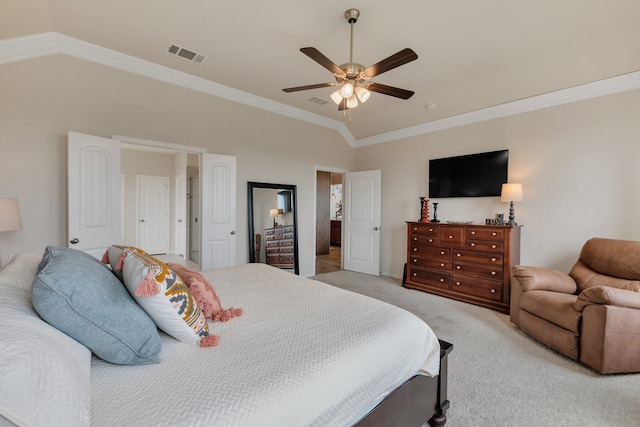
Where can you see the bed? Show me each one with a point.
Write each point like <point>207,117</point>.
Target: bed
<point>303,353</point>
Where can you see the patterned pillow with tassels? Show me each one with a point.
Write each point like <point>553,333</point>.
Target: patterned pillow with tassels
<point>164,296</point>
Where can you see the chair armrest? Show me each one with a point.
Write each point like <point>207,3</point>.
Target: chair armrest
<point>609,296</point>
<point>543,279</point>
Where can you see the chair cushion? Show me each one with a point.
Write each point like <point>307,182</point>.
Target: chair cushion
<point>554,307</point>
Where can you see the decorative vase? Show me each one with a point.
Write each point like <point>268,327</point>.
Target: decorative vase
<point>424,213</point>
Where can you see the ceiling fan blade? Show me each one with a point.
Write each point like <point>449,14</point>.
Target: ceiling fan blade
<point>395,60</point>
<point>315,54</point>
<point>390,90</point>
<point>299,88</point>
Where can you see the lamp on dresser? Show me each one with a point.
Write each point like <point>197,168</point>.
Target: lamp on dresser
<point>511,193</point>
<point>10,215</point>
<point>273,213</point>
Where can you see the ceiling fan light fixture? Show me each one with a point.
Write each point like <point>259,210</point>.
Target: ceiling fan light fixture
<point>347,90</point>
<point>352,102</point>
<point>337,96</point>
<point>362,93</point>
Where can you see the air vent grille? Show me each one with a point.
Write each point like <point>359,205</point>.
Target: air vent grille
<point>317,100</point>
<point>174,49</point>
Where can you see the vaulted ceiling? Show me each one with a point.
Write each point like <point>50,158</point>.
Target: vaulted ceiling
<point>475,58</point>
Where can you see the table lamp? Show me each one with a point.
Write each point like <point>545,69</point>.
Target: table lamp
<point>511,193</point>
<point>273,213</point>
<point>10,215</point>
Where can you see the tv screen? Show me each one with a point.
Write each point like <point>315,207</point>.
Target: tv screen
<point>472,175</point>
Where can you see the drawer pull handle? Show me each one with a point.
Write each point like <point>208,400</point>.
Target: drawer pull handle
<point>441,280</point>
<point>493,291</point>
<point>493,273</point>
<point>494,233</point>
<point>415,228</point>
<point>451,237</point>
<point>442,264</point>
<point>415,260</point>
<point>473,233</point>
<point>415,238</point>
<point>458,267</point>
<point>458,283</point>
<point>430,240</point>
<point>415,249</point>
<point>442,253</point>
<point>458,254</point>
<point>493,246</point>
<point>415,274</point>
<point>493,260</point>
<point>473,244</point>
<point>431,229</point>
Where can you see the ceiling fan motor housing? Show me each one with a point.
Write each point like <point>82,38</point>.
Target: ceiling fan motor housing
<point>352,15</point>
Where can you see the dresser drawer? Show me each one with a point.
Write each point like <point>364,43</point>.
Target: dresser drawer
<point>485,234</point>
<point>421,251</point>
<point>271,243</point>
<point>270,233</point>
<point>479,270</point>
<point>273,250</point>
<point>485,289</point>
<point>485,245</point>
<point>452,237</point>
<point>478,258</point>
<point>442,264</point>
<point>426,229</point>
<point>424,239</point>
<point>439,279</point>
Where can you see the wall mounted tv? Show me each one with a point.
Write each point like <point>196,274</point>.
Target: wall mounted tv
<point>472,175</point>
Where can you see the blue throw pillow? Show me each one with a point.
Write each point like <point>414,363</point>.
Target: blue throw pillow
<point>77,294</point>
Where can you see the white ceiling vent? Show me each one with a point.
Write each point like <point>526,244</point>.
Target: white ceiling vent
<point>186,54</point>
<point>317,100</point>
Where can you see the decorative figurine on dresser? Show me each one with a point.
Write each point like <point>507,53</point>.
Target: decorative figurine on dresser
<point>466,262</point>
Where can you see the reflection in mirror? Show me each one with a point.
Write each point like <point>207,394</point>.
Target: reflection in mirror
<point>273,228</point>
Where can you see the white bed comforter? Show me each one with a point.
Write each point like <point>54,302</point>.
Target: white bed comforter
<point>303,354</point>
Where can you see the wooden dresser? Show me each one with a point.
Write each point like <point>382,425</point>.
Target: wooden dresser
<point>467,262</point>
<point>279,246</point>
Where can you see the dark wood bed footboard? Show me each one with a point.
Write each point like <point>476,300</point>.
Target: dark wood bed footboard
<point>417,400</point>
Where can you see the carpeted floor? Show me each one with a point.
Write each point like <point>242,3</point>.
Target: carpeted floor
<point>498,376</point>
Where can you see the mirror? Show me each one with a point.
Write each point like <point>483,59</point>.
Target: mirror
<point>273,225</point>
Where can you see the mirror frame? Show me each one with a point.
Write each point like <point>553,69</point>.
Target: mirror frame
<point>294,207</point>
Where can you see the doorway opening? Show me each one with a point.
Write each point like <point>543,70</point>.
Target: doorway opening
<point>328,221</point>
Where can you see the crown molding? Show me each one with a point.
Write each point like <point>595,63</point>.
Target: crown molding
<point>51,43</point>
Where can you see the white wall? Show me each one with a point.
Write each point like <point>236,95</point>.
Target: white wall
<point>42,99</point>
<point>578,163</point>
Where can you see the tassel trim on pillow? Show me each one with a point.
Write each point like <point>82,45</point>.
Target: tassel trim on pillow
<point>120,262</point>
<point>148,287</point>
<point>226,315</point>
<point>105,257</point>
<point>210,341</point>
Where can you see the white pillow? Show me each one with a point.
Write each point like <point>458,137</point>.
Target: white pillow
<point>44,374</point>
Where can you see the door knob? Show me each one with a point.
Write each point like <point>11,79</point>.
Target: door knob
<point>375,228</point>
<point>74,241</point>
<point>233,232</point>
<point>142,220</point>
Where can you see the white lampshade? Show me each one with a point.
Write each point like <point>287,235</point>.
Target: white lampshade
<point>362,93</point>
<point>352,102</point>
<point>337,96</point>
<point>273,213</point>
<point>10,215</point>
<point>347,90</point>
<point>511,193</point>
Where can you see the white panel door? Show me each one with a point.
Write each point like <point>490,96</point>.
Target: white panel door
<point>361,221</point>
<point>218,217</point>
<point>153,214</point>
<point>181,215</point>
<point>93,185</point>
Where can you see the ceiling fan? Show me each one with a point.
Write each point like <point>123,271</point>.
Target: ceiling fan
<point>353,78</point>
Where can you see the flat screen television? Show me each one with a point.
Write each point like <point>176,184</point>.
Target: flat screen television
<point>472,175</point>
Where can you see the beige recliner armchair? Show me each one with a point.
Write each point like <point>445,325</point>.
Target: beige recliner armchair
<point>593,313</point>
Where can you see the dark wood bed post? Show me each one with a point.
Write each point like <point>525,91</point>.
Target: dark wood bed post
<point>440,417</point>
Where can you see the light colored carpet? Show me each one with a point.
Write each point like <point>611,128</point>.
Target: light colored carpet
<point>498,376</point>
